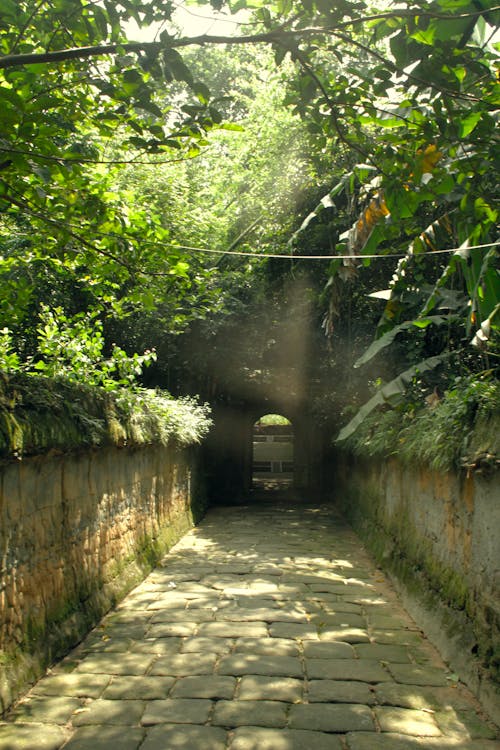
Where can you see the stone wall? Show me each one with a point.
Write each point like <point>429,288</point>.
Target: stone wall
<point>439,535</point>
<point>77,532</point>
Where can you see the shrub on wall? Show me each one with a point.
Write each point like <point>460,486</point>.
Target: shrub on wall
<point>39,414</point>
<point>459,429</point>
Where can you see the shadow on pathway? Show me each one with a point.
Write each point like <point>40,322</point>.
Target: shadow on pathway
<point>266,628</point>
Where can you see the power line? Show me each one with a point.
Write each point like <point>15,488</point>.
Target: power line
<point>318,257</point>
<point>283,256</point>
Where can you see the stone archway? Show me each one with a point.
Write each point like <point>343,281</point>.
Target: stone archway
<point>229,449</point>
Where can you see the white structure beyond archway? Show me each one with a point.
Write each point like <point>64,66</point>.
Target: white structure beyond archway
<point>272,451</point>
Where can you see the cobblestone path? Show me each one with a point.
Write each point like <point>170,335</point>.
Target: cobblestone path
<point>266,628</point>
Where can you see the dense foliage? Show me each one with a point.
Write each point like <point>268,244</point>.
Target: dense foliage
<point>54,414</point>
<point>133,172</point>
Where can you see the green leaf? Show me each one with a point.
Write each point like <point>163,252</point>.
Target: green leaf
<point>202,91</point>
<point>101,19</point>
<point>177,66</point>
<point>325,202</point>
<point>387,338</point>
<point>390,392</point>
<point>467,125</point>
<point>9,9</point>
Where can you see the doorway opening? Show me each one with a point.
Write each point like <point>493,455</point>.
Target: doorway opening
<point>272,453</point>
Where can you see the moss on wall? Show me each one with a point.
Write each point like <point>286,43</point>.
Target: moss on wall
<point>424,566</point>
<point>150,497</point>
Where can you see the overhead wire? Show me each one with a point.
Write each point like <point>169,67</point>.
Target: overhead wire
<point>292,256</point>
<point>258,256</point>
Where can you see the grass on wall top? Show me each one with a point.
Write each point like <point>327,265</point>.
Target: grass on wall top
<point>461,429</point>
<point>40,414</point>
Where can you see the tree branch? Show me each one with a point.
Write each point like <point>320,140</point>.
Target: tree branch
<point>268,37</point>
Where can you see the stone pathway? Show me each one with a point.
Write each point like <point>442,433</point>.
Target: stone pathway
<point>266,628</point>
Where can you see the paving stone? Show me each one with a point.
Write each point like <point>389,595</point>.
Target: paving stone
<point>235,591</point>
<point>267,646</point>
<point>263,586</point>
<point>118,630</point>
<point>159,646</point>
<point>258,738</point>
<point>303,631</point>
<point>256,687</point>
<point>401,637</point>
<point>314,582</point>
<point>259,713</point>
<point>140,688</point>
<point>364,599</point>
<point>109,712</point>
<point>274,666</point>
<point>234,568</point>
<point>126,618</point>
<point>268,570</point>
<point>233,629</point>
<point>352,573</point>
<point>330,650</point>
<point>326,717</point>
<point>378,620</point>
<point>45,709</point>
<point>339,606</point>
<point>212,645</point>
<point>208,686</point>
<point>351,589</point>
<point>415,675</point>
<point>168,737</point>
<point>76,685</point>
<point>167,629</point>
<point>387,653</point>
<point>111,664</point>
<point>167,605</point>
<point>263,614</point>
<point>194,587</point>
<point>407,721</point>
<point>107,644</point>
<point>105,737</point>
<point>177,711</point>
<point>224,629</point>
<point>406,696</point>
<point>253,602</point>
<point>385,741</point>
<point>363,670</point>
<point>181,665</point>
<point>338,619</point>
<point>31,736</point>
<point>340,691</point>
<point>183,620</point>
<point>462,723</point>
<point>293,591</point>
<point>139,600</point>
<point>344,634</point>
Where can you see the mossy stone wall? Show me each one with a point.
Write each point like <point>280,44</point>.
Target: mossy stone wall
<point>438,534</point>
<point>77,532</point>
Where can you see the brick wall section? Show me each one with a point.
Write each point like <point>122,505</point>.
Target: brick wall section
<point>76,533</point>
<point>438,534</point>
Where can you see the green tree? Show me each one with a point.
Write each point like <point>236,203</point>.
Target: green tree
<point>404,98</point>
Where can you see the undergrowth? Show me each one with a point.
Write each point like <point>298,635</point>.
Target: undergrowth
<point>459,429</point>
<point>38,414</point>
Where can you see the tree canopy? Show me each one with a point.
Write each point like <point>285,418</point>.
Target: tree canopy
<point>132,171</point>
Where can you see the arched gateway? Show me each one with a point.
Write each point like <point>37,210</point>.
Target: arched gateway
<point>233,464</point>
